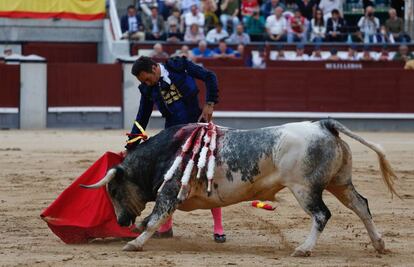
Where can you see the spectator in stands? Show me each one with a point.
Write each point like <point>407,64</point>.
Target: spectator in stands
<point>409,65</point>
<point>276,26</point>
<point>280,53</point>
<point>209,9</point>
<point>318,27</point>
<point>194,17</point>
<point>384,36</point>
<point>186,5</point>
<point>268,8</point>
<point>184,52</point>
<point>239,36</point>
<point>395,26</point>
<point>255,26</point>
<point>317,53</point>
<point>335,27</point>
<point>327,6</point>
<point>239,53</point>
<point>366,54</point>
<point>334,55</point>
<point>307,8</point>
<point>222,51</point>
<point>352,53</point>
<point>300,53</point>
<point>168,7</point>
<point>368,26</point>
<point>194,35</point>
<point>158,52</point>
<point>154,26</point>
<point>403,53</point>
<point>7,51</point>
<point>230,12</point>
<point>297,28</point>
<point>173,34</point>
<point>247,9</point>
<point>217,34</point>
<point>145,6</point>
<point>398,5</point>
<point>259,58</point>
<point>367,3</point>
<point>175,19</point>
<point>131,25</point>
<point>384,54</point>
<point>2,60</point>
<point>202,51</point>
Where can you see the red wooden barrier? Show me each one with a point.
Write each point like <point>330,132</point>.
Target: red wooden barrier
<point>335,64</point>
<point>371,90</point>
<point>63,52</point>
<point>83,84</point>
<point>9,86</point>
<point>246,89</point>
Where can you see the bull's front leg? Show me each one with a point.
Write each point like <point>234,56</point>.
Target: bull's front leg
<point>165,205</point>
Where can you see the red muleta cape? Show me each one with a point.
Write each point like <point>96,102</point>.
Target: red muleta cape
<point>79,215</point>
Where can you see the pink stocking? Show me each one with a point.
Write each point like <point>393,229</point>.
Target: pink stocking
<point>218,227</point>
<point>166,226</point>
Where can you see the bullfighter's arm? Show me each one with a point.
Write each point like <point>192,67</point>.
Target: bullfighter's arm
<point>144,113</point>
<point>207,76</point>
<point>210,80</point>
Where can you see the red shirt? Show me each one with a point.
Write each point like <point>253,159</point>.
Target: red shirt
<point>248,6</point>
<point>297,24</point>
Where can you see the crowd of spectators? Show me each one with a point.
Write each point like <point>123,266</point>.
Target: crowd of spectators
<point>221,50</point>
<point>243,21</point>
<point>352,54</point>
<point>259,57</point>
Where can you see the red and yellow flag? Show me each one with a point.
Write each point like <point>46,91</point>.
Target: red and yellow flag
<point>43,9</point>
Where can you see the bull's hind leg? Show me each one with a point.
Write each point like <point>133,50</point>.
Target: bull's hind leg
<point>311,201</point>
<point>358,204</point>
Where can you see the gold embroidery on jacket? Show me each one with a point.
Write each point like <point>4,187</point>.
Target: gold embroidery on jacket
<point>171,95</point>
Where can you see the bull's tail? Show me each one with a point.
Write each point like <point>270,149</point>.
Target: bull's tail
<point>388,174</point>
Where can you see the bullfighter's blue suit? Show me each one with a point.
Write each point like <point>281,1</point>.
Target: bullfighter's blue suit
<point>176,93</point>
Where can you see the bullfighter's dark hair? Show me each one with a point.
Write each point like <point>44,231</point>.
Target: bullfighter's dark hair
<point>130,7</point>
<point>142,64</point>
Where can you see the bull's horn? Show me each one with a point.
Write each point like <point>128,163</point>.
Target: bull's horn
<point>108,177</point>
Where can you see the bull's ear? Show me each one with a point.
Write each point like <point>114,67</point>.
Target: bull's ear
<point>108,177</point>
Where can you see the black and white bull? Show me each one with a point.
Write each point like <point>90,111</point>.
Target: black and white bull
<point>305,157</point>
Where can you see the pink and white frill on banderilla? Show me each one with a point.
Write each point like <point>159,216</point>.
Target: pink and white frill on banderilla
<point>202,143</point>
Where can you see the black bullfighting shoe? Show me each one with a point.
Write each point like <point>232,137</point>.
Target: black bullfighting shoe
<point>219,238</point>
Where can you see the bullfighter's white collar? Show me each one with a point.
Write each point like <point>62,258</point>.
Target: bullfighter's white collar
<point>165,74</point>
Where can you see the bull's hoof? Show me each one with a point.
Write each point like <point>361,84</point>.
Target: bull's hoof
<point>379,246</point>
<point>219,238</point>
<point>131,247</point>
<point>301,253</point>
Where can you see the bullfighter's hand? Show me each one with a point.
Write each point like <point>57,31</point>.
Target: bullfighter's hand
<point>207,113</point>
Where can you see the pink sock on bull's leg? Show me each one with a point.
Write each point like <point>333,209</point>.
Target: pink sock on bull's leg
<point>218,226</point>
<point>166,226</point>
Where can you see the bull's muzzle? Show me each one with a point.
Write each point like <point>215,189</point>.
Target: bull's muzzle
<point>126,219</point>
